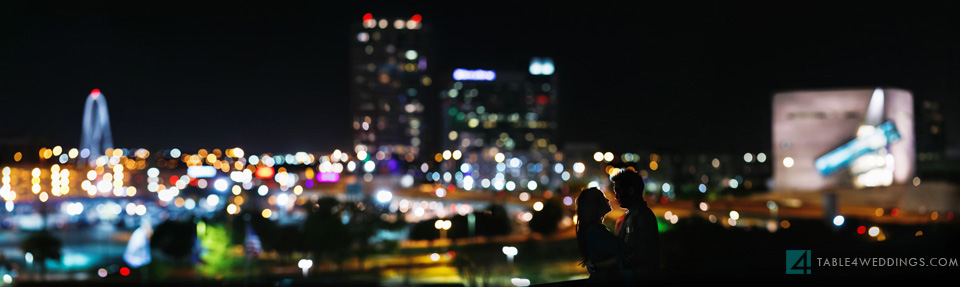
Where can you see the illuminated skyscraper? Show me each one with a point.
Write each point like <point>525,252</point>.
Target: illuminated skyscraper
<point>931,138</point>
<point>388,67</point>
<point>501,126</point>
<point>510,110</point>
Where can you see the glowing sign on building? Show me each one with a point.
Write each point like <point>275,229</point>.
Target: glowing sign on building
<point>541,66</point>
<point>842,138</point>
<point>328,177</point>
<point>474,75</point>
<point>862,145</point>
<point>201,171</point>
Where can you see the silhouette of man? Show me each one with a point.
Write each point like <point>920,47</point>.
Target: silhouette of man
<point>637,228</point>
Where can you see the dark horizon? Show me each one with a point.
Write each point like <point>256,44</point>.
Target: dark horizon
<point>274,78</point>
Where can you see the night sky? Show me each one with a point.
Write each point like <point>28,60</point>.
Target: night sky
<point>633,77</point>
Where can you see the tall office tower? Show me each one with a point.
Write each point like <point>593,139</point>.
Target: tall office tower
<point>931,138</point>
<point>500,128</point>
<point>388,67</point>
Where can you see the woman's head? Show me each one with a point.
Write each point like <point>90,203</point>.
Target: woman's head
<point>592,205</point>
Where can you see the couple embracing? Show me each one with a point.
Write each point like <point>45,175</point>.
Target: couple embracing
<point>631,254</point>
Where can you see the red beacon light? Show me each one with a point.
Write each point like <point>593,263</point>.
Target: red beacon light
<point>416,18</point>
<point>95,93</point>
<point>367,17</point>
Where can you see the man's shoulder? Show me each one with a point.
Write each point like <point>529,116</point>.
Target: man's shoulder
<point>645,209</point>
<point>641,213</point>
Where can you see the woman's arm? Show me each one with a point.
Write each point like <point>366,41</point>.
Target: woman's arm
<point>602,243</point>
<point>606,249</point>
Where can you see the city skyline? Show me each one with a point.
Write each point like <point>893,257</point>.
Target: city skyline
<point>477,143</point>
<point>276,78</point>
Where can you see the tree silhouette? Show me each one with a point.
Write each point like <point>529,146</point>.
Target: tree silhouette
<point>43,246</point>
<point>493,221</point>
<point>363,224</point>
<point>324,233</point>
<point>175,238</point>
<point>287,239</point>
<point>545,221</point>
<point>490,222</point>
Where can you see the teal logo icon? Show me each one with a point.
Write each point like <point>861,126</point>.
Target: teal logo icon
<point>798,262</point>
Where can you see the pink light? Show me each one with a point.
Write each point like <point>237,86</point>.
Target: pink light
<point>329,177</point>
<point>95,93</point>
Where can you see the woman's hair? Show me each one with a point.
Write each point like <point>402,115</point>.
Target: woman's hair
<point>589,204</point>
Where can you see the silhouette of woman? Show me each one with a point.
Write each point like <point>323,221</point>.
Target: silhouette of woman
<point>600,249</point>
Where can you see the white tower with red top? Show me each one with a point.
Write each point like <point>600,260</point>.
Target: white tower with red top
<point>96,137</point>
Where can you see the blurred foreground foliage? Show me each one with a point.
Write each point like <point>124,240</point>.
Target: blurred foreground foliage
<point>43,245</point>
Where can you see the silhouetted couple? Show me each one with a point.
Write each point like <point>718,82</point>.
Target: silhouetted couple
<point>631,254</point>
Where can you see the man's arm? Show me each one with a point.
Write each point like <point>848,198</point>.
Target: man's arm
<point>631,241</point>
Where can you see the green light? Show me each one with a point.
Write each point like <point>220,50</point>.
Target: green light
<point>662,225</point>
<point>217,254</point>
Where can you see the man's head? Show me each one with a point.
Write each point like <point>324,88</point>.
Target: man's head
<point>628,187</point>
